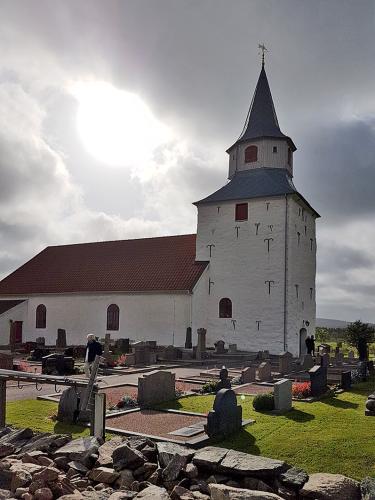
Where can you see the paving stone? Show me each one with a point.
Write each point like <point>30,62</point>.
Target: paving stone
<point>209,457</point>
<point>238,463</point>
<point>331,487</point>
<point>224,492</point>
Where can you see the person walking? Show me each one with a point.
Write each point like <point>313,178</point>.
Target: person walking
<point>93,349</point>
<point>312,341</point>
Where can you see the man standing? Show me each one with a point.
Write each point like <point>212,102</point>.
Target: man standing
<point>308,345</point>
<point>93,349</point>
<point>312,341</point>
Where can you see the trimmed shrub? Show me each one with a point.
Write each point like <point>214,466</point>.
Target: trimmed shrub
<point>210,386</point>
<point>264,402</point>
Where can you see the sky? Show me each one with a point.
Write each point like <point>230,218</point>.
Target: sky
<point>115,117</point>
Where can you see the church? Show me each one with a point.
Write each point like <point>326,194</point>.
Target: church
<point>247,276</point>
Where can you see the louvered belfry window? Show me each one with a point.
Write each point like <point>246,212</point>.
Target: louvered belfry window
<point>41,316</point>
<point>251,154</point>
<point>113,317</point>
<point>225,308</point>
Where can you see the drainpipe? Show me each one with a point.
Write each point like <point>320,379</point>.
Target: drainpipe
<point>286,274</point>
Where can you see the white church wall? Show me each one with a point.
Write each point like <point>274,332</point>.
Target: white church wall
<point>199,304</point>
<point>239,269</point>
<point>301,272</point>
<point>17,313</point>
<point>161,317</point>
<point>266,156</point>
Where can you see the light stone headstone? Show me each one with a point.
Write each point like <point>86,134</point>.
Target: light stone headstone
<point>232,348</point>
<point>264,371</point>
<point>201,347</point>
<point>226,416</point>
<point>282,392</point>
<point>248,375</point>
<point>156,387</point>
<point>219,347</point>
<point>285,362</point>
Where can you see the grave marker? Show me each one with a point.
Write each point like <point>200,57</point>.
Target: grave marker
<point>285,362</point>
<point>61,338</point>
<point>226,417</point>
<point>232,348</point>
<point>346,380</point>
<point>264,371</point>
<point>219,347</point>
<point>283,395</point>
<point>156,387</point>
<point>248,375</point>
<point>318,378</point>
<point>188,340</point>
<point>201,347</point>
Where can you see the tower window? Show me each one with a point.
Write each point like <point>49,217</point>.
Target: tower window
<point>251,154</point>
<point>225,308</point>
<point>274,149</point>
<point>41,316</point>
<point>113,316</point>
<point>242,211</point>
<point>289,156</point>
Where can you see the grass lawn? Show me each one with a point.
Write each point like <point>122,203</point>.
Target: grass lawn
<point>35,414</point>
<point>345,348</point>
<point>332,435</point>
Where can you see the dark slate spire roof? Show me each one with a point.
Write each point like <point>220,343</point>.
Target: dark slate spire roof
<point>256,183</point>
<point>261,120</point>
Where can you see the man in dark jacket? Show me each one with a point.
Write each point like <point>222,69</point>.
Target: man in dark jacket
<point>93,349</point>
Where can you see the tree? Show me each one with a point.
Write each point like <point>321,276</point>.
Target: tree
<point>358,335</point>
<point>321,334</point>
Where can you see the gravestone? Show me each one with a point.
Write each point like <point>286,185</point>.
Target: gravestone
<point>170,353</point>
<point>351,356</point>
<point>307,362</point>
<point>40,342</point>
<point>61,338</point>
<point>219,347</point>
<point>282,392</point>
<point>324,360</point>
<point>130,359</point>
<point>68,409</point>
<point>339,357</point>
<point>156,387</point>
<point>142,353</point>
<point>6,360</point>
<point>264,372</point>
<point>324,348</point>
<point>362,370</point>
<point>346,380</point>
<point>232,348</point>
<point>370,367</point>
<point>224,382</point>
<point>57,364</point>
<point>370,405</point>
<point>248,375</point>
<point>201,347</point>
<point>285,362</point>
<point>318,379</point>
<point>123,345</point>
<point>226,417</point>
<point>188,339</point>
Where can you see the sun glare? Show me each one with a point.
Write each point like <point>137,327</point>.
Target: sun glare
<point>115,126</point>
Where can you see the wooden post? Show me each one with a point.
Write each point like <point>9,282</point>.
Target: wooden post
<point>3,400</point>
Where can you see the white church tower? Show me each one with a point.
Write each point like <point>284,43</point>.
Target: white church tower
<point>258,234</point>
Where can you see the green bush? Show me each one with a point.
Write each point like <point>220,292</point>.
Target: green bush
<point>264,402</point>
<point>209,386</point>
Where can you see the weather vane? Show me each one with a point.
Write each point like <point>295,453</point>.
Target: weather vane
<point>262,48</point>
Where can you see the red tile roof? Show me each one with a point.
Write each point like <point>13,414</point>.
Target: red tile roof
<point>149,264</point>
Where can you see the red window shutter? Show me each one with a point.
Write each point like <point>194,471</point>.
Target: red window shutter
<point>242,211</point>
<point>251,154</point>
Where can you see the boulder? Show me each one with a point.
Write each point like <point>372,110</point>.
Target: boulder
<point>79,449</point>
<point>180,493</point>
<point>331,487</point>
<point>209,457</point>
<point>145,470</point>
<point>122,495</point>
<point>191,471</point>
<point>6,449</point>
<point>78,466</point>
<point>43,494</point>
<point>47,474</point>
<point>103,475</point>
<point>294,478</point>
<point>125,457</point>
<point>166,451</point>
<point>251,483</point>
<point>126,478</point>
<point>224,492</point>
<point>238,463</point>
<point>174,467</point>
<point>5,479</point>
<point>368,488</point>
<point>152,493</point>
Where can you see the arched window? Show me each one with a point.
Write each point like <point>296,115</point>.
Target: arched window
<point>113,317</point>
<point>225,308</point>
<point>251,154</point>
<point>41,316</point>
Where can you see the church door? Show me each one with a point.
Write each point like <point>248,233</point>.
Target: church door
<point>302,343</point>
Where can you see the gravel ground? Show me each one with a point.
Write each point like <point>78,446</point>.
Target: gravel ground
<point>152,422</point>
<point>253,389</point>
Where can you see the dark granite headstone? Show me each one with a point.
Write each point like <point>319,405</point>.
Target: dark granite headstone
<point>226,417</point>
<point>61,338</point>
<point>346,380</point>
<point>57,364</point>
<point>224,380</point>
<point>370,405</point>
<point>318,378</point>
<point>219,347</point>
<point>123,345</point>
<point>188,340</point>
<point>362,370</point>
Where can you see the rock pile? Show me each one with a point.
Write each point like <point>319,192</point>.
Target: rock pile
<point>44,467</point>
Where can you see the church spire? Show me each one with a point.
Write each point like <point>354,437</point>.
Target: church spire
<point>261,120</point>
